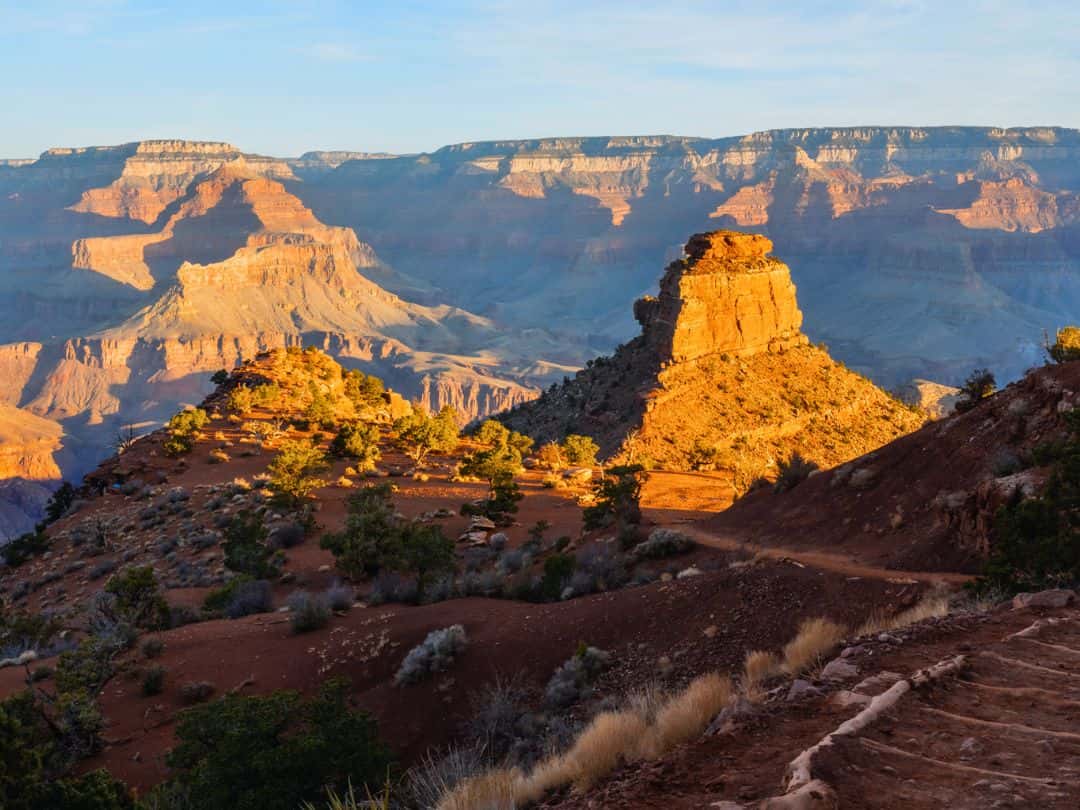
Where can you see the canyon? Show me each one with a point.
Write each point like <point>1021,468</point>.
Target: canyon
<point>481,273</point>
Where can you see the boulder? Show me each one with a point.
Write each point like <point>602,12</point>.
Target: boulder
<point>839,669</point>
<point>1055,598</point>
<point>801,689</point>
<point>579,474</point>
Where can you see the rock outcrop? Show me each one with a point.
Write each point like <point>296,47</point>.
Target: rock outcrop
<point>721,377</point>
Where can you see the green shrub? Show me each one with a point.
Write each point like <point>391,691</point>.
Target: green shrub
<point>138,598</point>
<point>275,752</point>
<point>240,400</point>
<point>420,433</point>
<point>793,471</point>
<point>219,377</point>
<point>558,568</point>
<point>320,411</point>
<point>267,395</point>
<point>188,421</point>
<point>153,648</point>
<point>374,539</point>
<point>1036,542</point>
<point>580,451</point>
<point>979,385</point>
<point>59,503</point>
<point>183,430</point>
<point>218,599</point>
<point>425,552</point>
<point>307,612</point>
<point>246,548</point>
<point>26,631</point>
<point>371,538</point>
<point>492,433</point>
<point>22,548</point>
<point>364,391</point>
<point>550,457</point>
<point>359,441</point>
<point>153,681</point>
<point>617,499</point>
<point>295,470</point>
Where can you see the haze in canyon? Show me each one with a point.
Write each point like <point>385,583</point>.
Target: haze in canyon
<point>481,273</point>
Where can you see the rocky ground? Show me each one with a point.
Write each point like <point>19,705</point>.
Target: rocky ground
<point>986,717</point>
<point>994,731</point>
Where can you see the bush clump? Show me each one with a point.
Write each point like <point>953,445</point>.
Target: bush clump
<point>1036,542</point>
<point>663,543</point>
<point>137,599</point>
<point>436,653</point>
<point>617,499</point>
<point>420,433</point>
<point>358,441</point>
<point>295,471</point>
<point>572,681</point>
<point>153,681</point>
<point>250,597</point>
<point>183,430</point>
<point>246,548</point>
<point>276,751</point>
<point>793,471</point>
<point>375,539</point>
<point>307,611</point>
<point>580,451</point>
<point>979,385</point>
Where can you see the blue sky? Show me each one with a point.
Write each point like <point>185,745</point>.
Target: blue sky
<point>284,77</point>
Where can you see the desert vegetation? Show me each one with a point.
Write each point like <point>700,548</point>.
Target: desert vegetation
<point>1037,540</point>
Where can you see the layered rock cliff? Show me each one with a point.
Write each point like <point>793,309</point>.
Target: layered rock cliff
<point>721,377</point>
<point>919,252</point>
<point>29,446</point>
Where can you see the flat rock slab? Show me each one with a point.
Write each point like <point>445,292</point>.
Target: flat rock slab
<point>1056,598</point>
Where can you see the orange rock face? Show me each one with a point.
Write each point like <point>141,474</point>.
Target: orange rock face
<point>729,296</point>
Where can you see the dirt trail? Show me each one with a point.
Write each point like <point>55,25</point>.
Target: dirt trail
<point>824,560</point>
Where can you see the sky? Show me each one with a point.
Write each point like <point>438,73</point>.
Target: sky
<point>282,78</point>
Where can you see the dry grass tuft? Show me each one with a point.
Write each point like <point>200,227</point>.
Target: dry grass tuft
<point>935,603</point>
<point>494,790</point>
<point>758,668</point>
<point>650,728</point>
<point>610,738</point>
<point>816,638</point>
<point>687,714</point>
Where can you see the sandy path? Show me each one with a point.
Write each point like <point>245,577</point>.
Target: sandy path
<point>824,560</point>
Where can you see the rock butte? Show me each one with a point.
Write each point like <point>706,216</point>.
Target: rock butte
<point>721,376</point>
<point>727,296</point>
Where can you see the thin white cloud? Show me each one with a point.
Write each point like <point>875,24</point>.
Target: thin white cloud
<point>337,52</point>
